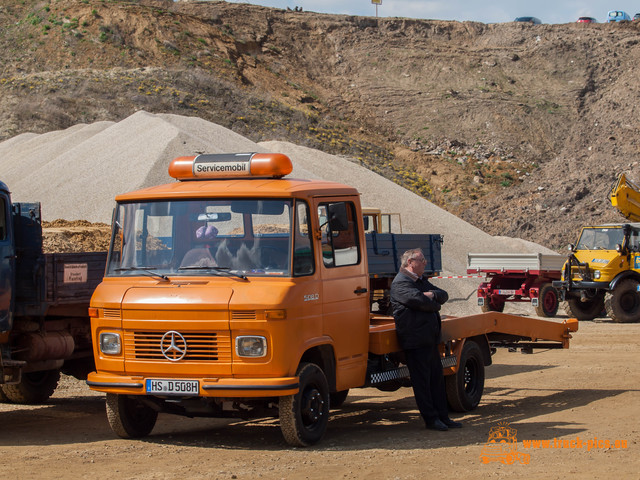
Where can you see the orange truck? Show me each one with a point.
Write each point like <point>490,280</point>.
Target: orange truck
<point>237,292</point>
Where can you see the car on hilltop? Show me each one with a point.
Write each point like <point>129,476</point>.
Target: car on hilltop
<point>587,20</point>
<point>618,16</point>
<point>532,20</point>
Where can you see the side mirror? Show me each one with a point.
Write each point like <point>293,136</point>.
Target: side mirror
<point>618,248</point>
<point>571,247</point>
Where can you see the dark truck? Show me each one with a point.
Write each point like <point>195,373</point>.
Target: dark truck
<point>383,253</point>
<point>44,299</point>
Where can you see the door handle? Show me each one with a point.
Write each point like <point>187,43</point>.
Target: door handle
<point>360,290</point>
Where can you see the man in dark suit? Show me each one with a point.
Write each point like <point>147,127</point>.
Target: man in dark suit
<point>416,306</point>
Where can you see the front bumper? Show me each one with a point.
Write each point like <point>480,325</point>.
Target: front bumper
<point>209,387</point>
<point>580,285</point>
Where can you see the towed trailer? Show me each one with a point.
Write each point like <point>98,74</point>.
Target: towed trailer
<point>517,277</point>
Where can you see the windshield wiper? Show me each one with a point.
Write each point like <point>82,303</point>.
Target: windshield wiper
<point>217,269</point>
<point>147,270</point>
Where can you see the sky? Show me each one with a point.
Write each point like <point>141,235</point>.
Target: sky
<point>495,11</point>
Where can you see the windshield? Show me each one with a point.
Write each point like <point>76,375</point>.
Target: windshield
<point>203,237</point>
<point>601,238</point>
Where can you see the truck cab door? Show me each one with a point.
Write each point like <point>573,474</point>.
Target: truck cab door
<point>7,263</point>
<point>345,288</point>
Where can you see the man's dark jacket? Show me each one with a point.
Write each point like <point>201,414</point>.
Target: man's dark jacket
<point>417,316</point>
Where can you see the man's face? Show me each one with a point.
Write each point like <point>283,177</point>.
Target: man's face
<point>417,265</point>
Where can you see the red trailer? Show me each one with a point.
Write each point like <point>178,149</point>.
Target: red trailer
<point>517,277</point>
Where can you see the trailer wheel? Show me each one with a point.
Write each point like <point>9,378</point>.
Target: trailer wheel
<point>588,310</point>
<point>464,388</point>
<point>623,304</point>
<point>336,399</point>
<point>493,306</point>
<point>304,416</point>
<point>547,301</point>
<point>129,417</point>
<point>35,387</point>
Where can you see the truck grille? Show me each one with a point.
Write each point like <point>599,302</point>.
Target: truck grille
<point>210,346</point>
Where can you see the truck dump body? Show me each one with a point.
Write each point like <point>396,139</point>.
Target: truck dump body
<point>521,262</point>
<point>63,286</point>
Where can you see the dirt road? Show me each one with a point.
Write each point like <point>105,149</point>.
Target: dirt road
<point>589,391</point>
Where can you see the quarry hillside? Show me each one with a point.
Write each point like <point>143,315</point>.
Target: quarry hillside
<point>518,129</point>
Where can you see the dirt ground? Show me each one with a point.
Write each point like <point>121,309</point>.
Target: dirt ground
<point>587,392</point>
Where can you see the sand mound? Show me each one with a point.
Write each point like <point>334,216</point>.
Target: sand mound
<point>75,174</point>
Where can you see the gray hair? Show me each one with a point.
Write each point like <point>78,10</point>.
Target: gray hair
<point>410,254</point>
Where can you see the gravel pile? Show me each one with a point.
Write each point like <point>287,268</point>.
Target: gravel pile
<point>75,174</point>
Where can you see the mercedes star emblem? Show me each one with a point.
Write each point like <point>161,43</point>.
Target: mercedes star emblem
<point>173,346</point>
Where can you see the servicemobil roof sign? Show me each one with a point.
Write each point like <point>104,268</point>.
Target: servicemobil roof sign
<point>232,165</point>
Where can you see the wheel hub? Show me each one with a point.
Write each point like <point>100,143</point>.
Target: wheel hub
<point>312,406</point>
<point>629,302</point>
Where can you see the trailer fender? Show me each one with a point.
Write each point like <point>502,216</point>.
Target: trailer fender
<point>483,342</point>
<point>458,345</point>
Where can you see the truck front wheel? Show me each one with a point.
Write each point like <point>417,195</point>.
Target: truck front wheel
<point>464,388</point>
<point>547,301</point>
<point>35,387</point>
<point>129,417</point>
<point>623,304</point>
<point>304,416</point>
<point>588,310</point>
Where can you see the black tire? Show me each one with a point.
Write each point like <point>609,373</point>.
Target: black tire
<point>129,417</point>
<point>34,388</point>
<point>494,306</point>
<point>304,416</point>
<point>3,397</point>
<point>336,399</point>
<point>623,303</point>
<point>547,301</point>
<point>465,387</point>
<point>589,310</point>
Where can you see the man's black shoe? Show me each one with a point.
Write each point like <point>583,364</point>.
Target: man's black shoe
<point>437,425</point>
<point>451,424</point>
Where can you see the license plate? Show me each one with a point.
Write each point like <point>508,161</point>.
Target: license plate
<point>506,292</point>
<point>173,387</point>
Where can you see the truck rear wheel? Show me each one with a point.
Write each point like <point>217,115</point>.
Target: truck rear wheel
<point>588,310</point>
<point>623,303</point>
<point>304,416</point>
<point>35,387</point>
<point>547,301</point>
<point>129,417</point>
<point>465,387</point>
